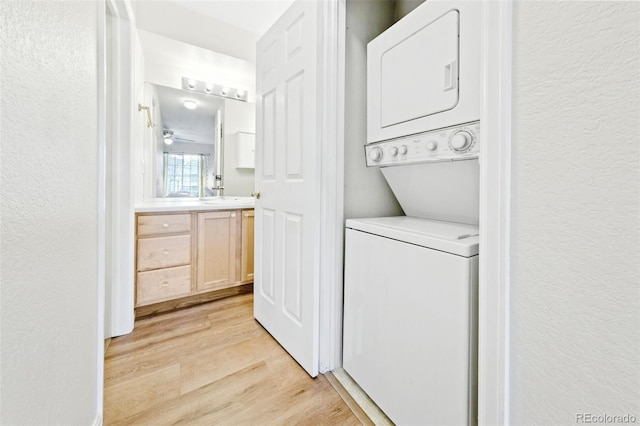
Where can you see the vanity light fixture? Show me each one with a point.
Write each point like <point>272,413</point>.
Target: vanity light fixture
<point>189,104</point>
<point>209,88</point>
<point>168,136</point>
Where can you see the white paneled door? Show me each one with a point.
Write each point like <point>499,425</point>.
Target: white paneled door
<point>287,211</point>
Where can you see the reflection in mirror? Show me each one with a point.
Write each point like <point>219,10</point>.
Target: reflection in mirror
<point>186,147</point>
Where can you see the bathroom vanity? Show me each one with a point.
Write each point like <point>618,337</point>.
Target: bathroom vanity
<point>191,252</point>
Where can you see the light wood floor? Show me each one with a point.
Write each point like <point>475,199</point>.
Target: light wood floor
<point>212,364</point>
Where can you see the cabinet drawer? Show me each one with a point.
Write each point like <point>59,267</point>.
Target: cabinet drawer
<point>164,224</point>
<point>163,284</point>
<point>163,252</point>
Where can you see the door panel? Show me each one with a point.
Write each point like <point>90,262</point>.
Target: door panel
<point>294,117</point>
<point>287,176</point>
<point>292,267</point>
<point>265,229</point>
<point>268,135</point>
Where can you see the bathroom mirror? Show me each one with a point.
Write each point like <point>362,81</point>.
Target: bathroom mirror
<point>185,143</point>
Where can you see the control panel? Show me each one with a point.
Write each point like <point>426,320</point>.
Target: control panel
<point>448,144</point>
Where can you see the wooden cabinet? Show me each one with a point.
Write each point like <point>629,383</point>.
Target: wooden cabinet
<point>217,256</point>
<point>163,258</point>
<point>246,256</point>
<point>182,255</point>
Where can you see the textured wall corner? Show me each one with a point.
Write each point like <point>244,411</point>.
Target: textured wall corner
<point>48,233</point>
<point>575,302</point>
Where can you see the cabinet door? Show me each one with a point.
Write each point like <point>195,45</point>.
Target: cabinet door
<point>216,265</point>
<point>247,246</point>
<point>246,150</point>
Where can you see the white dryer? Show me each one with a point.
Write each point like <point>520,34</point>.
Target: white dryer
<point>423,73</point>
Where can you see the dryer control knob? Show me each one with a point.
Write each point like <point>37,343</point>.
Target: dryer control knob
<point>461,140</point>
<point>432,145</point>
<point>404,150</point>
<point>394,151</point>
<point>375,154</point>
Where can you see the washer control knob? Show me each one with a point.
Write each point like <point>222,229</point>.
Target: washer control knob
<point>375,154</point>
<point>394,151</point>
<point>404,150</point>
<point>461,140</point>
<point>432,145</point>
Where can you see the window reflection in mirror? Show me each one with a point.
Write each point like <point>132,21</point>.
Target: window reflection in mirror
<point>185,146</point>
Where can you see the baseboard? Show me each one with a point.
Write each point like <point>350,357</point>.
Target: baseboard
<point>97,421</point>
<point>188,301</point>
<point>355,395</point>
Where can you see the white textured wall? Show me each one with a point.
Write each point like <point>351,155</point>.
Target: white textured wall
<point>575,302</point>
<point>366,193</point>
<point>48,211</point>
<point>238,117</point>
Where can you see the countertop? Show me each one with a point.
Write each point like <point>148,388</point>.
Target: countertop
<point>190,204</point>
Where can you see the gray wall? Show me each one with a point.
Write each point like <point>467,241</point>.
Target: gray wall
<point>575,340</point>
<point>366,193</point>
<point>48,233</point>
<point>402,7</point>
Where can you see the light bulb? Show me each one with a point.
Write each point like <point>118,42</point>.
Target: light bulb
<point>208,88</point>
<point>190,104</point>
<point>225,90</point>
<point>191,84</point>
<point>168,141</point>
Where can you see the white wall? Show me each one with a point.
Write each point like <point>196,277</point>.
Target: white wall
<point>168,60</point>
<point>575,340</point>
<point>48,233</point>
<point>179,23</point>
<point>366,193</point>
<point>238,117</point>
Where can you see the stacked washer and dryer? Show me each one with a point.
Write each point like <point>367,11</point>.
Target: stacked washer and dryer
<point>410,303</point>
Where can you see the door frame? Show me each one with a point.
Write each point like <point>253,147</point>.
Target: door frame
<point>118,306</point>
<point>122,71</point>
<point>331,245</point>
<point>495,215</point>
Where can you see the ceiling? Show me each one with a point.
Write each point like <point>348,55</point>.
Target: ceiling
<point>189,125</point>
<point>255,16</point>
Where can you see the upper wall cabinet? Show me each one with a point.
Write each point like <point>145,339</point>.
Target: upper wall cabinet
<point>246,150</point>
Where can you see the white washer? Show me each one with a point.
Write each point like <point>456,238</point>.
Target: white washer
<point>410,309</point>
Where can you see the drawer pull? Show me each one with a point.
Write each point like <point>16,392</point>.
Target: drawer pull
<point>165,251</point>
<point>233,215</point>
<point>164,284</point>
<point>165,225</point>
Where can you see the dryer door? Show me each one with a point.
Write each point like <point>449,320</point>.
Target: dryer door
<point>424,67</point>
<point>424,72</point>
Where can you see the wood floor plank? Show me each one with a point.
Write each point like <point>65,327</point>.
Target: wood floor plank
<point>136,395</point>
<point>212,364</point>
